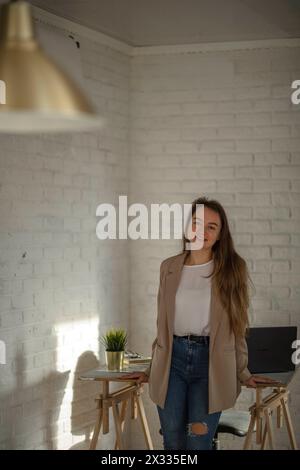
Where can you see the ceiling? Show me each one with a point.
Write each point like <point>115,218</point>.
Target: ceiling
<point>166,22</point>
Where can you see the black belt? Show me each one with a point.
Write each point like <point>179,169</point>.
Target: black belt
<point>197,339</point>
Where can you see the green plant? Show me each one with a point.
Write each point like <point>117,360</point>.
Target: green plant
<point>114,340</point>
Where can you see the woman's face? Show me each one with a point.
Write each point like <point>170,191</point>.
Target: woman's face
<point>210,228</point>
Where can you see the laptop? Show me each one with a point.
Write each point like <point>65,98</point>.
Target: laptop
<point>270,352</point>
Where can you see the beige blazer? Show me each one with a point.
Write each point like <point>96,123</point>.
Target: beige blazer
<point>228,357</point>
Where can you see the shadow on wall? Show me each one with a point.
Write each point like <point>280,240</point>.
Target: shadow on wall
<point>30,412</point>
<point>83,414</point>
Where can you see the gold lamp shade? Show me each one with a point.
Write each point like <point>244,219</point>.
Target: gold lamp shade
<point>37,96</point>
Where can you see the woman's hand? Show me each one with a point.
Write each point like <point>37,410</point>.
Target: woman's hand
<point>139,377</point>
<point>255,380</point>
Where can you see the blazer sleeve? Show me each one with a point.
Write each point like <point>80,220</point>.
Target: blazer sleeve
<point>241,353</point>
<point>147,371</point>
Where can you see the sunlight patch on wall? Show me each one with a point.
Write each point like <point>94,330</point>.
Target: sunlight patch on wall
<point>77,349</point>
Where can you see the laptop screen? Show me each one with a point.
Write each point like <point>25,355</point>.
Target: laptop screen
<point>270,349</point>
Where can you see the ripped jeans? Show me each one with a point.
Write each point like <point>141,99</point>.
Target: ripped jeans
<point>184,420</point>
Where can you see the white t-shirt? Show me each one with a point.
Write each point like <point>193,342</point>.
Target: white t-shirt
<point>192,302</point>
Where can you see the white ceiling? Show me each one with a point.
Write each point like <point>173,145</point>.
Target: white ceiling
<point>165,22</point>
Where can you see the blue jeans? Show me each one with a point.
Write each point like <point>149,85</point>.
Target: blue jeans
<point>184,420</point>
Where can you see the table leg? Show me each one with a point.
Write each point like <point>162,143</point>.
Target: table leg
<point>258,418</point>
<point>122,418</point>
<point>250,431</point>
<point>97,429</point>
<point>141,412</point>
<point>133,406</point>
<point>268,416</point>
<point>264,439</point>
<point>118,427</point>
<point>288,422</point>
<point>105,394</point>
<point>279,416</point>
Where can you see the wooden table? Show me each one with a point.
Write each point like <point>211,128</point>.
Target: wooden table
<point>261,416</point>
<point>130,394</point>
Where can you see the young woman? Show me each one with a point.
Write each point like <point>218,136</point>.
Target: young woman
<point>200,357</point>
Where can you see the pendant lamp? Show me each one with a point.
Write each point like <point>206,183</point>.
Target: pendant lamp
<point>36,95</point>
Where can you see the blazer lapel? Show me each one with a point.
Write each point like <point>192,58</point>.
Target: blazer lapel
<point>216,314</point>
<point>172,282</point>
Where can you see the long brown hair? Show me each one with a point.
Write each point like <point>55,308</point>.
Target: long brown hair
<point>230,271</point>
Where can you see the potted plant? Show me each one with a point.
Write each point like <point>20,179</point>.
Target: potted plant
<point>114,341</point>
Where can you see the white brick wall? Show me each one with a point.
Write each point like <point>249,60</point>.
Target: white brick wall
<point>220,124</point>
<point>57,280</point>
<point>179,125</point>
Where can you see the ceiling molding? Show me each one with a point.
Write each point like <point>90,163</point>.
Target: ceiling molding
<point>75,28</point>
<point>217,46</point>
